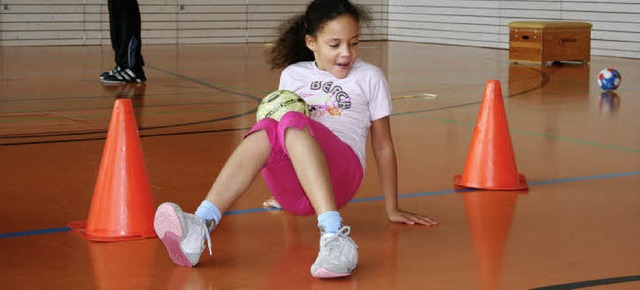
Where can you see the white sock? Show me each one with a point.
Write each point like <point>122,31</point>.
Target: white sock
<point>330,222</point>
<point>209,212</point>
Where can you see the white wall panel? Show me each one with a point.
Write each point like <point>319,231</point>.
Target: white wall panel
<point>616,23</point>
<point>78,22</point>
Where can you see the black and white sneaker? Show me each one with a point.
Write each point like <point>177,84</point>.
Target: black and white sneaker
<point>124,75</point>
<point>108,73</point>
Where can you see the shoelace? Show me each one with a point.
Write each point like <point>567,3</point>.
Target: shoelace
<point>344,231</point>
<point>205,231</point>
<point>207,235</point>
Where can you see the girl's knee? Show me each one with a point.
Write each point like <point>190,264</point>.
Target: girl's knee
<point>293,118</point>
<point>266,127</point>
<point>259,136</point>
<point>297,121</point>
<point>267,124</point>
<point>297,131</point>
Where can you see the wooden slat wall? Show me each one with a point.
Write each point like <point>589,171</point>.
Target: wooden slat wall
<point>458,22</point>
<point>266,16</point>
<point>86,22</point>
<point>616,23</point>
<point>40,22</point>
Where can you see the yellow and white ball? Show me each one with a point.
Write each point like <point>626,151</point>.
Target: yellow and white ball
<point>279,102</point>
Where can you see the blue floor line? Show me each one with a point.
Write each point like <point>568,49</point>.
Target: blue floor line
<point>360,199</point>
<point>34,232</point>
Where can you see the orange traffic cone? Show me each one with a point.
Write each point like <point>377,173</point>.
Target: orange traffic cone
<point>491,163</point>
<point>122,207</point>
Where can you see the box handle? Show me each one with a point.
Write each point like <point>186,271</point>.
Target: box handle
<point>564,40</point>
<point>525,36</point>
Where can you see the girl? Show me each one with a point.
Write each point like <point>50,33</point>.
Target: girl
<point>311,165</point>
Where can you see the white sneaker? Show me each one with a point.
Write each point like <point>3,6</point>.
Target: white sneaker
<point>183,234</point>
<point>338,255</point>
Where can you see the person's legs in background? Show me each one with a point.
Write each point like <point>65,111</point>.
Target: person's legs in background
<point>125,30</point>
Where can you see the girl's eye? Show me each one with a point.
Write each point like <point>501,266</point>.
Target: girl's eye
<point>354,43</point>
<point>334,45</point>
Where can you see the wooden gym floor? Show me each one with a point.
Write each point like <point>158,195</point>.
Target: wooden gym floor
<point>577,226</point>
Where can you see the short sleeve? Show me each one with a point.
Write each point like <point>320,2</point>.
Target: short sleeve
<point>285,79</point>
<point>380,104</point>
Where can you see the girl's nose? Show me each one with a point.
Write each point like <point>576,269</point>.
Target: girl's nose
<point>345,51</point>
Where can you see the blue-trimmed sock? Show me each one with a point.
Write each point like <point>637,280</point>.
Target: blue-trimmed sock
<point>209,212</point>
<point>329,222</point>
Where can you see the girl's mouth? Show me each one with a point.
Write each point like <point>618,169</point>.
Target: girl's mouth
<point>343,65</point>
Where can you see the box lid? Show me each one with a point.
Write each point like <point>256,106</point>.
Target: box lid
<point>549,24</point>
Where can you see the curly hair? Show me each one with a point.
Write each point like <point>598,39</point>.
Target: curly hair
<point>291,47</point>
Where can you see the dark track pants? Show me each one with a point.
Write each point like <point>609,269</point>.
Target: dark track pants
<point>125,26</point>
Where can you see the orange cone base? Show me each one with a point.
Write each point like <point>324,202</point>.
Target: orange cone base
<point>80,228</point>
<point>521,185</point>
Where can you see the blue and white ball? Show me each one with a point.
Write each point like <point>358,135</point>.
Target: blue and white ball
<point>609,79</point>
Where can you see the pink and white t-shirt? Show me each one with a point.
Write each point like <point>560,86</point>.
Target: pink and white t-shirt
<point>345,106</point>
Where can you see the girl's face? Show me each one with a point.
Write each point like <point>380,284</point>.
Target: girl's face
<point>336,46</point>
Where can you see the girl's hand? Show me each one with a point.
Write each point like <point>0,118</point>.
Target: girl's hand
<point>401,216</point>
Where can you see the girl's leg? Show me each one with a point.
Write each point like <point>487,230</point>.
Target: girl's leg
<point>329,169</point>
<point>323,165</point>
<point>338,254</point>
<point>311,169</point>
<point>184,234</point>
<point>240,170</point>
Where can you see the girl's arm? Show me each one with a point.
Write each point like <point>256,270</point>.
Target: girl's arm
<point>385,155</point>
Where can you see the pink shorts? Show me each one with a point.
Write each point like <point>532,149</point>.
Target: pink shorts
<point>344,166</point>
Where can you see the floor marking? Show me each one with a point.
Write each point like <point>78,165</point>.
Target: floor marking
<point>362,199</point>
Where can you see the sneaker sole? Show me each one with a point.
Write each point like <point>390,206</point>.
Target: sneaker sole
<point>324,273</point>
<point>111,82</point>
<point>134,81</point>
<point>168,226</point>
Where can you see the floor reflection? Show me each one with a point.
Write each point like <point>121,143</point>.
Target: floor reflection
<point>133,91</point>
<point>609,103</point>
<point>123,265</point>
<point>548,81</point>
<point>489,214</point>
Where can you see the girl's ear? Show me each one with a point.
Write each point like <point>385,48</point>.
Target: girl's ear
<point>310,42</point>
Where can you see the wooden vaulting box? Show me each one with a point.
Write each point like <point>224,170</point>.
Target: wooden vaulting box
<point>543,41</point>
